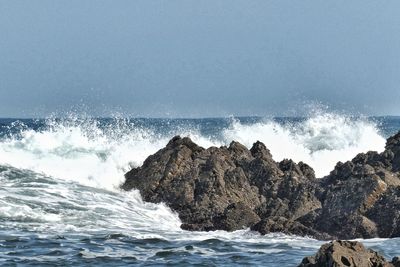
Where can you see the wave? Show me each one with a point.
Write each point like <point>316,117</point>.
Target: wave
<point>80,151</point>
<point>320,141</point>
<point>35,202</point>
<point>38,212</point>
<point>61,177</point>
<point>85,151</point>
<point>55,207</point>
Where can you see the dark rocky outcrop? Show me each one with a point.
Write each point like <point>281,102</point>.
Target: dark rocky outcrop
<point>347,254</point>
<point>361,197</point>
<point>231,188</point>
<point>226,188</point>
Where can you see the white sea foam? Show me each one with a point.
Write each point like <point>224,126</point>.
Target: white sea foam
<point>56,206</point>
<point>74,152</point>
<point>320,141</point>
<point>84,152</point>
<point>80,152</point>
<point>66,177</point>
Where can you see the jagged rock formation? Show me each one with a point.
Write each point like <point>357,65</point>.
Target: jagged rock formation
<point>361,197</point>
<point>347,254</point>
<point>231,188</point>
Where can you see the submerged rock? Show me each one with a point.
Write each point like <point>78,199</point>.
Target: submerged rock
<point>347,254</point>
<point>231,188</point>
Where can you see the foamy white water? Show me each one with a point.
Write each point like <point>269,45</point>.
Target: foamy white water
<point>57,207</point>
<point>85,153</point>
<point>82,151</point>
<point>64,178</point>
<point>320,141</point>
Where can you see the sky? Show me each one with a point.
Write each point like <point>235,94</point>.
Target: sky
<point>198,58</point>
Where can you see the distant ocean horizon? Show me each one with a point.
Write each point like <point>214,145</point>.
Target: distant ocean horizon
<point>60,202</point>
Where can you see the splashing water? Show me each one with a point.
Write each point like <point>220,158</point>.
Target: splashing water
<point>60,188</point>
<point>91,154</point>
<point>84,151</point>
<point>319,141</point>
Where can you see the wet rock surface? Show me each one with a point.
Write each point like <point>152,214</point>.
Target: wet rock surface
<point>347,254</point>
<point>231,188</point>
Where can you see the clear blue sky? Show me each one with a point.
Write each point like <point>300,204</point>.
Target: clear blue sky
<point>198,58</point>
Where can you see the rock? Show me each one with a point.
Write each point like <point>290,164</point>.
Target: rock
<point>231,188</point>
<point>396,261</point>
<point>393,151</point>
<point>346,254</point>
<point>226,188</point>
<point>361,197</point>
<point>283,225</point>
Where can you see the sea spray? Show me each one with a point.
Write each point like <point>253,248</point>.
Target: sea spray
<point>97,153</point>
<point>60,201</point>
<point>320,141</point>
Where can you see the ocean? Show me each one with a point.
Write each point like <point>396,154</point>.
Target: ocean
<point>60,202</point>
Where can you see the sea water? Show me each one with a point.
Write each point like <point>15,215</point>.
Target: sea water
<point>60,202</point>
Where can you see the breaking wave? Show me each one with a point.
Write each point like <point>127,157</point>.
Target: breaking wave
<point>60,184</point>
<point>320,141</point>
<point>98,155</point>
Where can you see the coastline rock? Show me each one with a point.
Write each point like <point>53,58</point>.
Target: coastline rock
<point>228,188</point>
<point>347,254</point>
<point>231,188</point>
<point>361,197</point>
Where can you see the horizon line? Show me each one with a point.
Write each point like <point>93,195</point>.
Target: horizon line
<point>187,118</point>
